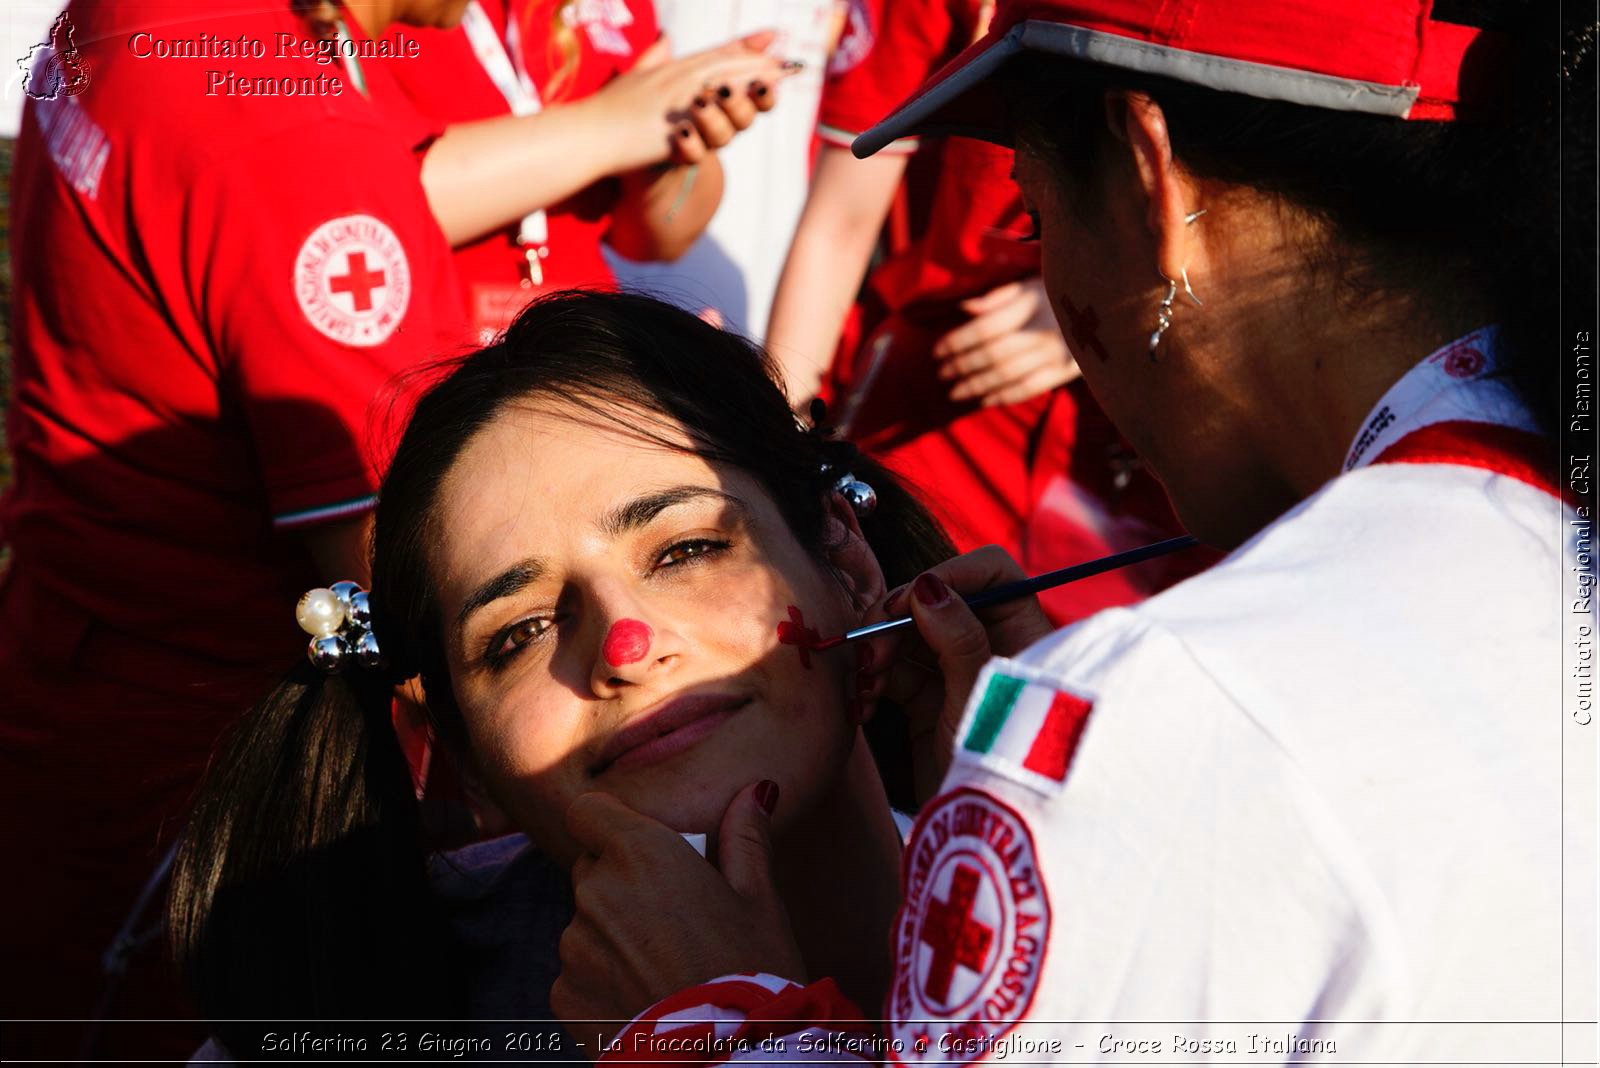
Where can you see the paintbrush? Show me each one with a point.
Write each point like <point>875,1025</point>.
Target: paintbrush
<point>1026,587</point>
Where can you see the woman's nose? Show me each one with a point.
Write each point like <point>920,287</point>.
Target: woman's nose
<point>629,650</point>
<point>627,642</point>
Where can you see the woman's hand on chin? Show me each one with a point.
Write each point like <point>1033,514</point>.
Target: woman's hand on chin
<point>930,671</point>
<point>654,917</point>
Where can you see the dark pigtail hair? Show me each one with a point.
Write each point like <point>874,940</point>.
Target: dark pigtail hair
<point>299,891</point>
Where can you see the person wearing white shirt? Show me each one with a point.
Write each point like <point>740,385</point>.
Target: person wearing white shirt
<point>1323,799</point>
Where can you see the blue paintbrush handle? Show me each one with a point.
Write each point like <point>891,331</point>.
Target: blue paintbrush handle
<point>1047,581</point>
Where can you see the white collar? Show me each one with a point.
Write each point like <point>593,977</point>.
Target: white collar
<point>1456,383</point>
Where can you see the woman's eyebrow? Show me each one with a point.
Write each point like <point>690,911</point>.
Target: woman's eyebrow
<point>504,584</point>
<point>641,510</point>
<point>630,516</point>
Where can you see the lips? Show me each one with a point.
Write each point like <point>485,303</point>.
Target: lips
<point>667,729</point>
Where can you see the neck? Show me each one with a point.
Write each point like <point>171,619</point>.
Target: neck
<point>838,871</point>
<point>1289,371</point>
<point>373,16</point>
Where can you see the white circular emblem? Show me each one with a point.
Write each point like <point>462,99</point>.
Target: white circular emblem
<point>855,41</point>
<point>352,280</point>
<point>970,939</point>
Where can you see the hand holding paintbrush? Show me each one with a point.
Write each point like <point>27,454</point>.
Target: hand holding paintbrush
<point>934,695</point>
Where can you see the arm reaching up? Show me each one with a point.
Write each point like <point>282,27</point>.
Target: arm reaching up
<point>828,259</point>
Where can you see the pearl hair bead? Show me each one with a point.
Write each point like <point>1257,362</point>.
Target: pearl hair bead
<point>320,613</point>
<point>339,620</point>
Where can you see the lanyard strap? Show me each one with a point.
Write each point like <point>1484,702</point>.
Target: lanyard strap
<point>510,77</point>
<point>1510,451</point>
<point>348,50</point>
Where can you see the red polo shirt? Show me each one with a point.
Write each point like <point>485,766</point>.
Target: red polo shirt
<point>212,291</point>
<point>599,39</point>
<point>1047,479</point>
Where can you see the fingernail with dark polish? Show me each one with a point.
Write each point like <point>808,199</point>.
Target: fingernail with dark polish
<point>895,603</point>
<point>767,795</point>
<point>701,102</point>
<point>724,92</point>
<point>930,591</point>
<point>684,131</point>
<point>758,89</point>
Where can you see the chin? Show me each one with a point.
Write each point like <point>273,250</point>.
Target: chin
<point>689,807</point>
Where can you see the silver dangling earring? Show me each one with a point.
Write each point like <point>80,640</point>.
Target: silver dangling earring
<point>1164,309</point>
<point>1163,316</point>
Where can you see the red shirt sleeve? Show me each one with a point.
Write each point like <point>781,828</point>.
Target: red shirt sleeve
<point>319,282</point>
<point>888,50</point>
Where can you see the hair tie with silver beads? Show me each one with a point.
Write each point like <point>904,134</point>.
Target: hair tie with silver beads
<point>862,498</point>
<point>339,620</point>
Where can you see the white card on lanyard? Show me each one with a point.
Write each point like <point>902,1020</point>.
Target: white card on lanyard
<point>510,76</point>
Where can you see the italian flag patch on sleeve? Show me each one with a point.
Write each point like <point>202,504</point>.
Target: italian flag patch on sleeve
<point>1023,727</point>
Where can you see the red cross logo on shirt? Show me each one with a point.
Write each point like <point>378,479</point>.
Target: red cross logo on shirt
<point>359,282</point>
<point>1463,362</point>
<point>991,926</point>
<point>955,936</point>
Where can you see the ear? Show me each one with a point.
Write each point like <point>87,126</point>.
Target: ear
<point>1138,122</point>
<point>850,555</point>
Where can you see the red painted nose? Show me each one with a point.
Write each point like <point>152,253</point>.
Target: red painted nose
<point>627,642</point>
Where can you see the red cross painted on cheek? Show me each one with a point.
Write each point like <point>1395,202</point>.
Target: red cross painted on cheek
<point>626,642</point>
<point>1084,323</point>
<point>793,631</point>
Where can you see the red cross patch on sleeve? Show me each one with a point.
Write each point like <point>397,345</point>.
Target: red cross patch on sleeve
<point>970,938</point>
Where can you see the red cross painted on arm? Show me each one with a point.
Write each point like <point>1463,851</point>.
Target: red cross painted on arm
<point>358,282</point>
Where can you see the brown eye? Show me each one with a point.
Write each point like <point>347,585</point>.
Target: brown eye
<point>514,637</point>
<point>684,551</point>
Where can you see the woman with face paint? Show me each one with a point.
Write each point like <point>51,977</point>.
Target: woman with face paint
<point>604,544</point>
<point>1309,276</point>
